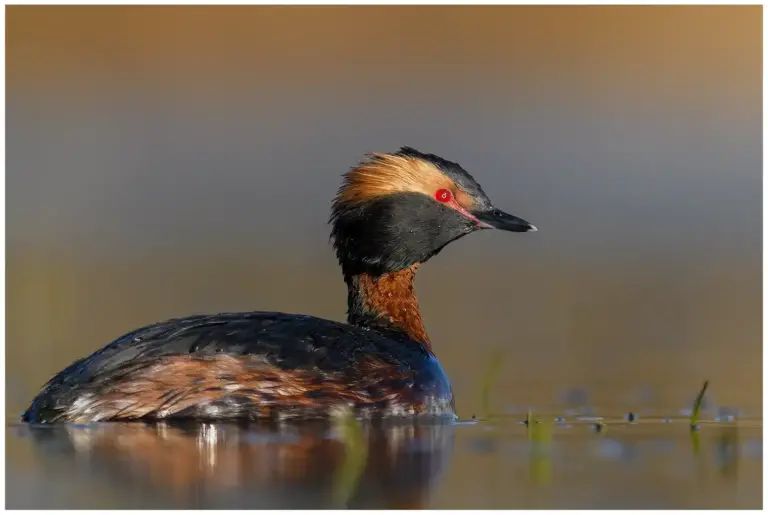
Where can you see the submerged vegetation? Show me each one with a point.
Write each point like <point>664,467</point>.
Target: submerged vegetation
<point>540,436</point>
<point>355,458</point>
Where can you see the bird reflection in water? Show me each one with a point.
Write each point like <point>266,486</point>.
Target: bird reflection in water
<point>319,465</point>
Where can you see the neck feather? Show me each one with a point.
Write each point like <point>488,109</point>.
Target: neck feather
<point>387,301</point>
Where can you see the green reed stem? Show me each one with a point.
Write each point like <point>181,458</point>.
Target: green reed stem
<point>697,406</point>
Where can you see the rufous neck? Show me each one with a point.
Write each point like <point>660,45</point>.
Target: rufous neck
<point>387,301</point>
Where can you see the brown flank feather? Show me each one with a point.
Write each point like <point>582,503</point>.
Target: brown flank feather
<point>210,387</point>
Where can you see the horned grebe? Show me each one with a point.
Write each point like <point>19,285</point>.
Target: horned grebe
<point>392,213</point>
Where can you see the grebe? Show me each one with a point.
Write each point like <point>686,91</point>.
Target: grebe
<point>393,212</point>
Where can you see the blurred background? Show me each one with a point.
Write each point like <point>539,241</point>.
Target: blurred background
<point>163,161</point>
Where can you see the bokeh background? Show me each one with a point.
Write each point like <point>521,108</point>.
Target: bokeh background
<point>163,161</point>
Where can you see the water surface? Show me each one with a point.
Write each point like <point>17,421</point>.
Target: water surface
<point>496,463</point>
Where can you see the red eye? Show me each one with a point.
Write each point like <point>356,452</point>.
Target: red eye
<point>443,195</point>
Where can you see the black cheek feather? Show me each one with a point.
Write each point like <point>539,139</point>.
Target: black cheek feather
<point>393,233</point>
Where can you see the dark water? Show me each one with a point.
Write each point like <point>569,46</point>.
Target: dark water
<point>497,463</point>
